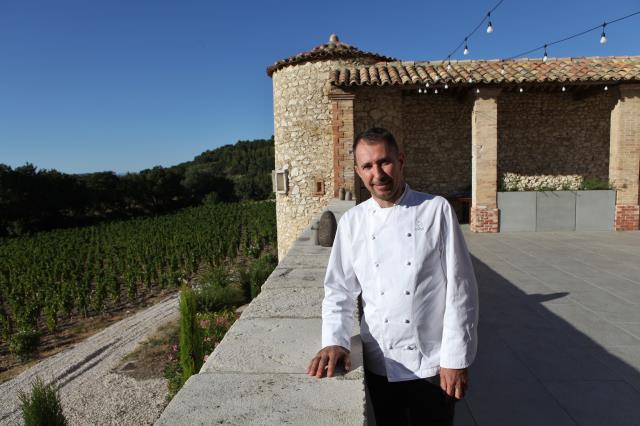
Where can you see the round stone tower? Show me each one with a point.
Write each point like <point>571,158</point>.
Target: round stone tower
<point>304,159</point>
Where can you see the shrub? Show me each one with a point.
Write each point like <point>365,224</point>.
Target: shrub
<point>215,325</point>
<point>191,336</point>
<point>595,183</point>
<point>213,297</point>
<point>173,374</point>
<point>259,271</point>
<point>42,406</point>
<point>24,342</point>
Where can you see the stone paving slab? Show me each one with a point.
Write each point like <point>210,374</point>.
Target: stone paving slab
<point>283,277</point>
<point>304,261</point>
<point>271,345</point>
<point>266,399</point>
<point>286,303</point>
<point>597,403</point>
<point>559,328</point>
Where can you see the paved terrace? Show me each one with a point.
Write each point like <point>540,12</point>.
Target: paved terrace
<point>559,340</point>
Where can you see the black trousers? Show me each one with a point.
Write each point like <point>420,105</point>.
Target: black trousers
<point>412,402</point>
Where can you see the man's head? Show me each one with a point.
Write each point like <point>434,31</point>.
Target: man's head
<point>380,164</point>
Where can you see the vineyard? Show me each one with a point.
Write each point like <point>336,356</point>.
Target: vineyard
<point>53,275</point>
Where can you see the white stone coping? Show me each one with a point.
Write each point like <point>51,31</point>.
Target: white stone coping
<point>257,374</point>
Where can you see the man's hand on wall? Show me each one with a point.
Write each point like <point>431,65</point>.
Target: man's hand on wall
<point>454,381</point>
<point>327,358</point>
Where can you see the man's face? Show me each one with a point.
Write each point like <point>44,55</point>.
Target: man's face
<point>381,170</point>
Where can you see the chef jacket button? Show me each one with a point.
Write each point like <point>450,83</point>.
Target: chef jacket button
<point>390,346</point>
<point>373,237</point>
<point>409,263</point>
<point>377,264</point>
<point>386,320</point>
<point>407,292</point>
<point>406,321</point>
<point>408,234</point>
<point>382,293</point>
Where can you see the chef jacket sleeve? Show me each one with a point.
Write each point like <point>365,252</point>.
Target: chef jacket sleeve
<point>459,333</point>
<point>341,288</point>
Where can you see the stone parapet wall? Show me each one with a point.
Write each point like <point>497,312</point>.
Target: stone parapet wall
<point>303,143</point>
<point>257,374</point>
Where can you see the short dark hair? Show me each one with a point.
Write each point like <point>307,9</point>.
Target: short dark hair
<point>376,134</point>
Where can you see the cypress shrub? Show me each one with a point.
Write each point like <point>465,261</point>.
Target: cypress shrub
<point>42,406</point>
<point>191,335</point>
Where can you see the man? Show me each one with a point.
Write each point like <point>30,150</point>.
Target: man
<point>404,251</point>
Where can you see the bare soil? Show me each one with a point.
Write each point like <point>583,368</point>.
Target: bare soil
<point>150,358</point>
<point>73,330</point>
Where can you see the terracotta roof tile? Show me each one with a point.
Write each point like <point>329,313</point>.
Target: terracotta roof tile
<point>611,68</point>
<point>334,49</point>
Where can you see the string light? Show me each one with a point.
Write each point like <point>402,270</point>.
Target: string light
<point>521,90</point>
<point>606,88</point>
<point>603,37</point>
<point>420,90</point>
<point>435,91</point>
<point>446,86</point>
<point>564,89</point>
<point>477,90</point>
<point>544,58</point>
<point>489,30</point>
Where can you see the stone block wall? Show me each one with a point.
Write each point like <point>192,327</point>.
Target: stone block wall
<point>554,134</point>
<point>303,143</point>
<point>434,132</point>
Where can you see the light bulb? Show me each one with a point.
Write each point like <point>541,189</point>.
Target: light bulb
<point>489,28</point>
<point>502,71</point>
<point>521,90</point>
<point>435,91</point>
<point>544,58</point>
<point>446,86</point>
<point>603,38</point>
<point>564,89</point>
<point>470,80</point>
<point>449,66</point>
<point>420,90</point>
<point>427,84</point>
<point>477,90</point>
<point>466,50</point>
<point>606,88</point>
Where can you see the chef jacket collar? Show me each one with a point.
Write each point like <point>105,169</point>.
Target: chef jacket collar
<point>374,206</point>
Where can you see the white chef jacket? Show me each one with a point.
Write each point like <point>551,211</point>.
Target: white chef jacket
<point>419,291</point>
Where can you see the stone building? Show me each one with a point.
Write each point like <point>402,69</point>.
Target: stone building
<point>464,126</point>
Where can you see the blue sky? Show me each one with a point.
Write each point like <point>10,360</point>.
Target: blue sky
<point>126,85</point>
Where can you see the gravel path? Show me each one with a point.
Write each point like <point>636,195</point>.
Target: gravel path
<point>91,393</point>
